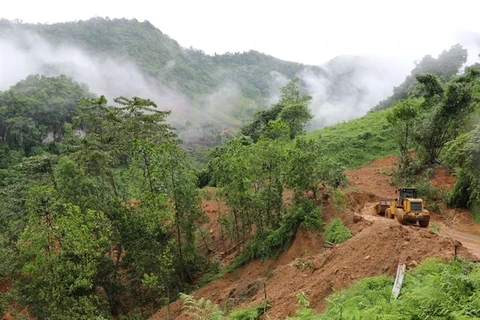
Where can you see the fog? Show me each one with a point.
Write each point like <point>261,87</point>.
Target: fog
<point>364,82</point>
<point>350,87</point>
<point>30,54</point>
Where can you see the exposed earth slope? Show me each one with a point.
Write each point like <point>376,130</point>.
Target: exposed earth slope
<point>377,247</point>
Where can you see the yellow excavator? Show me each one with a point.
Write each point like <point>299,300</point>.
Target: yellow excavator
<point>407,208</point>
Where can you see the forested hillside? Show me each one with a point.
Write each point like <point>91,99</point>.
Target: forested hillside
<point>126,57</point>
<point>189,71</point>
<point>447,65</point>
<point>104,214</point>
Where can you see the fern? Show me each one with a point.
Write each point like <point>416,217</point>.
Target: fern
<point>435,290</point>
<point>201,309</point>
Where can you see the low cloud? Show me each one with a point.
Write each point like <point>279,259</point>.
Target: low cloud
<point>351,86</point>
<point>30,54</point>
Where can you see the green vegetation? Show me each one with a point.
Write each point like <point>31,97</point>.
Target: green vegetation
<point>251,178</point>
<point>446,66</point>
<point>201,309</point>
<point>292,109</point>
<point>304,263</point>
<point>100,205</point>
<point>273,241</point>
<point>108,210</point>
<point>189,71</point>
<point>33,112</point>
<point>105,211</point>
<point>463,155</point>
<point>434,290</point>
<point>434,228</point>
<point>358,141</point>
<point>338,198</point>
<point>434,115</point>
<point>336,232</point>
<point>204,309</point>
<point>437,120</point>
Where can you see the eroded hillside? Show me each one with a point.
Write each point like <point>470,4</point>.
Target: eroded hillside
<point>377,247</point>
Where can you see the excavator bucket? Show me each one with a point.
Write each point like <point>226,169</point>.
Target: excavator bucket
<point>381,206</point>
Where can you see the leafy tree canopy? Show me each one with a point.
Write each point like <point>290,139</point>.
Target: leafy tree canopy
<point>446,66</point>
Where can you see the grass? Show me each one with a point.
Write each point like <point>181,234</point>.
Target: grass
<point>434,290</point>
<point>336,232</point>
<point>358,141</point>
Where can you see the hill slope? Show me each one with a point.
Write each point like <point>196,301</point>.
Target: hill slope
<point>127,57</point>
<point>377,247</point>
<point>189,71</point>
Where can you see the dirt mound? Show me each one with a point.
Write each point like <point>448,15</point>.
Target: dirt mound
<point>309,267</point>
<point>376,250</point>
<point>373,178</point>
<point>443,179</point>
<point>378,246</point>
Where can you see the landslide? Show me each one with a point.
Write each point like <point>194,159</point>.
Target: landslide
<point>377,247</point>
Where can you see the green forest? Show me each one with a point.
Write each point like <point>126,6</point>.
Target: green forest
<point>100,201</point>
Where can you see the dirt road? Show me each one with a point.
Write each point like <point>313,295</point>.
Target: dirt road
<point>308,266</point>
<point>456,224</point>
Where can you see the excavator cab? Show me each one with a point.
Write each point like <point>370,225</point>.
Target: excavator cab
<point>407,208</point>
<point>405,193</point>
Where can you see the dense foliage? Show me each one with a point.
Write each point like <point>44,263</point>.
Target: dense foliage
<point>464,154</point>
<point>100,206</point>
<point>336,232</point>
<point>433,115</point>
<point>102,218</point>
<point>434,290</point>
<point>447,65</point>
<point>190,71</point>
<point>34,111</point>
<point>292,109</point>
<point>253,176</point>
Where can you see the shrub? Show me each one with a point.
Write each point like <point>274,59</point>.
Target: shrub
<point>272,241</point>
<point>201,309</point>
<point>248,314</point>
<point>339,200</point>
<point>336,232</point>
<point>434,290</point>
<point>434,228</point>
<point>475,209</point>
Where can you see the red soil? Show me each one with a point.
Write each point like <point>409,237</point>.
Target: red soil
<point>377,247</point>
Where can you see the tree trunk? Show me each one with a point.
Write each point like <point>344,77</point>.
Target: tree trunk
<point>180,254</point>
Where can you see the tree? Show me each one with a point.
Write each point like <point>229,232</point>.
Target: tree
<point>307,171</point>
<point>35,110</point>
<point>232,172</point>
<point>446,66</point>
<point>267,159</point>
<point>171,184</point>
<point>292,108</point>
<point>161,183</point>
<point>446,112</point>
<point>296,117</point>
<point>62,250</point>
<point>463,154</point>
<point>403,117</point>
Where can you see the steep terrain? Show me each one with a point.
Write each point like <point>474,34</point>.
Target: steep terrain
<point>131,58</point>
<point>377,247</point>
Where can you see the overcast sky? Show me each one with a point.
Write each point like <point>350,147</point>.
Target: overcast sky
<point>305,31</point>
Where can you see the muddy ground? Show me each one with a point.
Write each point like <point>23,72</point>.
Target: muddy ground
<point>378,246</point>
